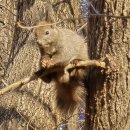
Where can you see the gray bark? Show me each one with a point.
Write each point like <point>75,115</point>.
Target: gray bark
<point>109,92</point>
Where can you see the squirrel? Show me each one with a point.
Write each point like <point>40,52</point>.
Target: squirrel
<point>60,47</point>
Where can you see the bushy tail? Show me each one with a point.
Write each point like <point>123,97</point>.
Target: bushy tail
<point>70,95</point>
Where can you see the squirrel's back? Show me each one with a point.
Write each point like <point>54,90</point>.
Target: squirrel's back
<point>74,45</point>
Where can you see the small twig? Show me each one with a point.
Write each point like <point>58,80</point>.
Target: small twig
<point>25,120</point>
<point>80,64</point>
<point>15,85</point>
<point>105,15</point>
<point>93,8</point>
<point>84,25</point>
<point>36,26</point>
<point>29,122</point>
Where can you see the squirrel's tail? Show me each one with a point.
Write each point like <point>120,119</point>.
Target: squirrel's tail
<point>70,95</point>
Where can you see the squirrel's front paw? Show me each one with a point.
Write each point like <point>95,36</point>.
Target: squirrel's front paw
<point>50,63</point>
<point>46,62</point>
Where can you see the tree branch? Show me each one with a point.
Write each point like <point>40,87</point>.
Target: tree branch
<point>44,72</point>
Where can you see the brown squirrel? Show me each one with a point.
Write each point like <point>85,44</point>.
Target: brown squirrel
<point>60,47</point>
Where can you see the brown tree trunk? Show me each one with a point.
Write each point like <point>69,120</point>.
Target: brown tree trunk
<point>109,91</point>
<point>33,105</point>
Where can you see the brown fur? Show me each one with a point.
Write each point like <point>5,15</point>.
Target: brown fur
<point>70,95</point>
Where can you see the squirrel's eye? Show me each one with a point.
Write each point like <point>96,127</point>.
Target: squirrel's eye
<point>47,32</point>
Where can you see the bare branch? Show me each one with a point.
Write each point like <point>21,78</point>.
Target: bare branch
<point>15,85</point>
<point>109,16</point>
<point>93,8</point>
<point>31,27</point>
<point>80,64</point>
<point>28,124</point>
<point>84,25</point>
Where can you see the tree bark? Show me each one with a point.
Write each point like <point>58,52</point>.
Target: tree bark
<point>109,92</point>
<point>33,105</point>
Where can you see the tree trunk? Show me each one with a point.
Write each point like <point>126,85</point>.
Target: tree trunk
<point>109,91</point>
<point>33,105</point>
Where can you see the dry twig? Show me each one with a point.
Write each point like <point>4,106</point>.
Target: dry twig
<point>83,26</point>
<point>36,26</point>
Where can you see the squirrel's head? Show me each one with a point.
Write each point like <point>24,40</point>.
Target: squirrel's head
<point>46,34</point>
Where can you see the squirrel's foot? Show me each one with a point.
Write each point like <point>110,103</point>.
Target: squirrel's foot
<point>64,77</point>
<point>75,72</point>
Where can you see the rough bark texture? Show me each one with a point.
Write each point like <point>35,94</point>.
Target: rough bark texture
<point>32,106</point>
<point>109,94</point>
